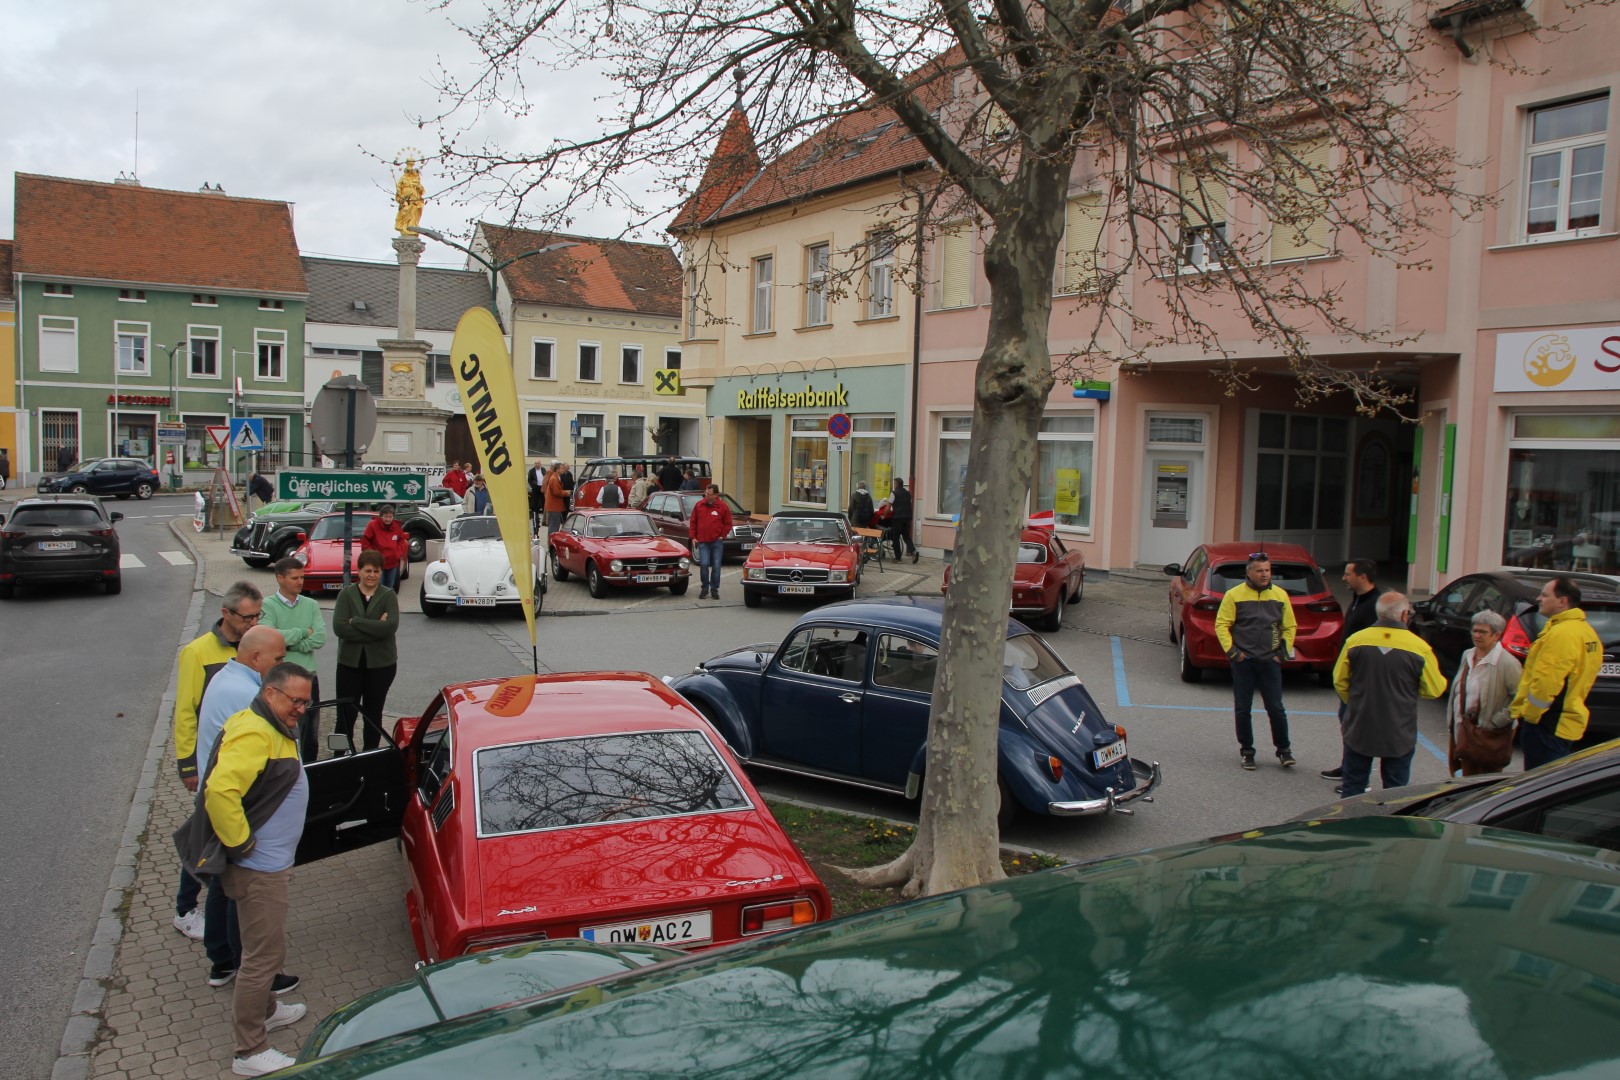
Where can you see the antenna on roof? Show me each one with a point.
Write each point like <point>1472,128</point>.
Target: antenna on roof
<point>137,170</point>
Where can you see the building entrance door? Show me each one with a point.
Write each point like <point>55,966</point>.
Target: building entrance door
<point>1172,506</point>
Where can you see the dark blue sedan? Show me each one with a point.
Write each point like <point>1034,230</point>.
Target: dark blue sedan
<point>846,697</point>
<point>117,476</point>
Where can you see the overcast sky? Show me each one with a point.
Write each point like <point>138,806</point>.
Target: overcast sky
<point>274,100</point>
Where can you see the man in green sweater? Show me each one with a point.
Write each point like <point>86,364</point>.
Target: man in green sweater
<point>299,619</point>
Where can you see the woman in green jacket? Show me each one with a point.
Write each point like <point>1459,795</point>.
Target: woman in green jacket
<point>365,621</point>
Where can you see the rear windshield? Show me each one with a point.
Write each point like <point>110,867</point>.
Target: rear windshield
<point>1604,615</point>
<point>1027,662</point>
<point>562,782</point>
<point>69,517</point>
<point>1295,579</point>
<point>1031,554</point>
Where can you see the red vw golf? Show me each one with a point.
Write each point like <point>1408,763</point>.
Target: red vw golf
<point>1198,584</point>
<point>596,805</point>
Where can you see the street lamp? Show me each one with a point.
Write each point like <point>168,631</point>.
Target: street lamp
<point>494,267</point>
<point>174,407</point>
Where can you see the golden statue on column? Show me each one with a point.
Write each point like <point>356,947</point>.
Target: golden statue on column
<point>409,197</point>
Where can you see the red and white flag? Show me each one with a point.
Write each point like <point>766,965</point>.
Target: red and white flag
<point>1043,519</point>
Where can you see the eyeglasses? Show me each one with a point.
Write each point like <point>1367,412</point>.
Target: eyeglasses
<point>1259,556</point>
<point>246,617</point>
<point>297,703</point>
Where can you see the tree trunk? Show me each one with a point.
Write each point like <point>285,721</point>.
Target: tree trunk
<point>957,841</point>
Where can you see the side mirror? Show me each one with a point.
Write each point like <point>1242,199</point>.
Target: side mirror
<point>339,743</point>
<point>115,517</point>
<point>1173,569</point>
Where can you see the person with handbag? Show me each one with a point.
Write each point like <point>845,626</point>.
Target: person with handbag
<point>1478,713</point>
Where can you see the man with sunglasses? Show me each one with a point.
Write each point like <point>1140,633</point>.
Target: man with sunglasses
<point>199,661</point>
<point>1255,626</point>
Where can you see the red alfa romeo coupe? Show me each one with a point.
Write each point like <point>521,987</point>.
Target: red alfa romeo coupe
<point>617,547</point>
<point>1049,576</point>
<point>592,805</point>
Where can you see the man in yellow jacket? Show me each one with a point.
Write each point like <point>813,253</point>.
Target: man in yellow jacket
<point>1558,674</point>
<point>1381,674</point>
<point>1255,626</point>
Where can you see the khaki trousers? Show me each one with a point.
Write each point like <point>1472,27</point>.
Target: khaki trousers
<point>261,914</point>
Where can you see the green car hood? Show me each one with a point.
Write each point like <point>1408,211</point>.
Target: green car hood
<point>1374,948</point>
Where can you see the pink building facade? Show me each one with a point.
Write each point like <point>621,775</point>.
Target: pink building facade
<point>1513,365</point>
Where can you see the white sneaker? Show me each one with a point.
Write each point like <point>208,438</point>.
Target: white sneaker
<point>267,1060</point>
<point>286,1013</point>
<point>191,923</point>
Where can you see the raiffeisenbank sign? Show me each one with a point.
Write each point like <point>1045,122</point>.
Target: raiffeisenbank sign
<point>808,398</point>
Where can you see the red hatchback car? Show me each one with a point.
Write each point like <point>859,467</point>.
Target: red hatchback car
<point>1049,576</point>
<point>617,547</point>
<point>594,805</point>
<point>1212,569</point>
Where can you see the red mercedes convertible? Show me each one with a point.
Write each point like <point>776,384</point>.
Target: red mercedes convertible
<point>595,805</point>
<point>803,553</point>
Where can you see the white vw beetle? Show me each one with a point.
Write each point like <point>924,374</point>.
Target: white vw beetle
<point>473,571</point>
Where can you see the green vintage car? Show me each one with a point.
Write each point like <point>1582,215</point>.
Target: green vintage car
<point>1370,948</point>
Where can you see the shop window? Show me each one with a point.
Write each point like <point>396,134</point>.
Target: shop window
<point>1563,506</point>
<point>1300,472</point>
<point>58,344</point>
<point>589,443</point>
<point>956,265</point>
<point>1564,169</point>
<point>764,298</point>
<point>807,461</point>
<point>203,348</point>
<point>632,436</point>
<point>816,261</point>
<point>1064,476</point>
<point>132,349</point>
<point>1082,243</point>
<point>953,456</point>
<point>871,454</point>
<point>880,275</point>
<point>542,435</point>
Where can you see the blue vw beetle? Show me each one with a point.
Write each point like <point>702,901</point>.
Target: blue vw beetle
<point>845,697</point>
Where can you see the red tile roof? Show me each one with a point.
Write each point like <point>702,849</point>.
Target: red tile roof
<point>5,269</point>
<point>607,275</point>
<point>734,162</point>
<point>149,236</point>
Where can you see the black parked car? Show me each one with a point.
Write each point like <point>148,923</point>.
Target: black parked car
<point>671,513</point>
<point>1443,621</point>
<point>52,538</point>
<point>118,476</point>
<point>1576,798</point>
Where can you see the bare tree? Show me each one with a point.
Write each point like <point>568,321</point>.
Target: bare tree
<point>1313,115</point>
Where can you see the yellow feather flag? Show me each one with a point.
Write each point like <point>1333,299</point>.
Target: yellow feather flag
<point>489,396</point>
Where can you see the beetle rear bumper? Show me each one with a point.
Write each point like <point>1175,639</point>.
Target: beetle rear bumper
<point>1147,779</point>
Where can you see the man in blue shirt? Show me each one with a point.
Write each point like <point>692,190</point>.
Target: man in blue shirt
<point>228,693</point>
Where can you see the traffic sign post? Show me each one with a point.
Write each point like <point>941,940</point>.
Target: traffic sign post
<point>220,435</point>
<point>247,435</point>
<point>838,430</point>
<point>351,486</point>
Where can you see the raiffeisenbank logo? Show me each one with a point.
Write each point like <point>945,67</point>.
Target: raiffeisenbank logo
<point>1549,360</point>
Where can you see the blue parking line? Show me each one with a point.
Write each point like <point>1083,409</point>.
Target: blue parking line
<point>1122,693</point>
<point>1423,741</point>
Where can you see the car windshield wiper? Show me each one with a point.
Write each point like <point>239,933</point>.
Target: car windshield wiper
<point>828,540</point>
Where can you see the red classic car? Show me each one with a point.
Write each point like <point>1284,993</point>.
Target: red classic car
<point>803,553</point>
<point>1212,569</point>
<point>587,491</point>
<point>617,547</point>
<point>321,552</point>
<point>1049,576</point>
<point>597,805</point>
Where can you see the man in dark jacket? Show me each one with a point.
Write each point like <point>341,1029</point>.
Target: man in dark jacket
<point>669,475</point>
<point>900,524</point>
<point>860,506</point>
<point>64,458</point>
<point>1361,577</point>
<point>259,488</point>
<point>1382,672</point>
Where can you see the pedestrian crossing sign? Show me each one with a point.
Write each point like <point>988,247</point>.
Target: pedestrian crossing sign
<point>247,434</point>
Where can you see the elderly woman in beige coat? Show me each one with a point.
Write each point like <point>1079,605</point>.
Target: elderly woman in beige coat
<point>1481,692</point>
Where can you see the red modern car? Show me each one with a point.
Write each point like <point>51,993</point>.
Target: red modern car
<point>803,553</point>
<point>1049,576</point>
<point>617,547</point>
<point>1198,584</point>
<point>322,552</point>
<point>595,805</point>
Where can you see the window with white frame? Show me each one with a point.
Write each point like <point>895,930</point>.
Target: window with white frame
<point>541,440</point>
<point>764,272</point>
<point>880,275</point>
<point>1301,230</point>
<point>132,296</point>
<point>58,431</point>
<point>203,342</point>
<point>271,349</point>
<point>1564,170</point>
<point>956,265</point>
<point>632,436</point>
<point>954,432</point>
<point>132,342</point>
<point>807,460</point>
<point>199,444</point>
<point>672,359</point>
<point>589,443</point>
<point>1064,473</point>
<point>816,263</point>
<point>871,453</point>
<point>1203,220</point>
<point>630,364</point>
<point>590,362</point>
<point>58,344</point>
<point>59,291</point>
<point>543,364</point>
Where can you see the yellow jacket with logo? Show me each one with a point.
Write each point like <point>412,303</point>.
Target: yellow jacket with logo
<point>199,661</point>
<point>1256,622</point>
<point>1559,672</point>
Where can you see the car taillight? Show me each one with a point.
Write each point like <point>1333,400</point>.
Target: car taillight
<point>1324,606</point>
<point>1208,603</point>
<point>764,918</point>
<point>11,535</point>
<point>1515,640</point>
<point>1054,766</point>
<point>103,532</point>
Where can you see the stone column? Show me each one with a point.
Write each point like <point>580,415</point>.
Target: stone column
<point>409,249</point>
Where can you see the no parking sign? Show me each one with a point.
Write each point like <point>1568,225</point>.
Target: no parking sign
<point>838,428</point>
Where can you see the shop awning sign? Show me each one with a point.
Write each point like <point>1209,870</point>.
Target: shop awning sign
<point>1567,359</point>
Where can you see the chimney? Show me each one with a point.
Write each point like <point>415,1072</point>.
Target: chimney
<point>127,178</point>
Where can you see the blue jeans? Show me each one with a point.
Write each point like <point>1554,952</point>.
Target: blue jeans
<point>1396,771</point>
<point>185,897</point>
<point>222,940</point>
<point>709,554</point>
<point>390,578</point>
<point>1539,743</point>
<point>1265,676</point>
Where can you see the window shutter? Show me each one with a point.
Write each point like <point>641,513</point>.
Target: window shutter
<point>1082,240</point>
<point>1302,239</point>
<point>1203,195</point>
<point>956,244</point>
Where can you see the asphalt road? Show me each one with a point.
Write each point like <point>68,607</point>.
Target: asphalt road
<point>83,675</point>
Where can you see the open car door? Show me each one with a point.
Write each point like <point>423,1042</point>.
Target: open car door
<point>354,801</point>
